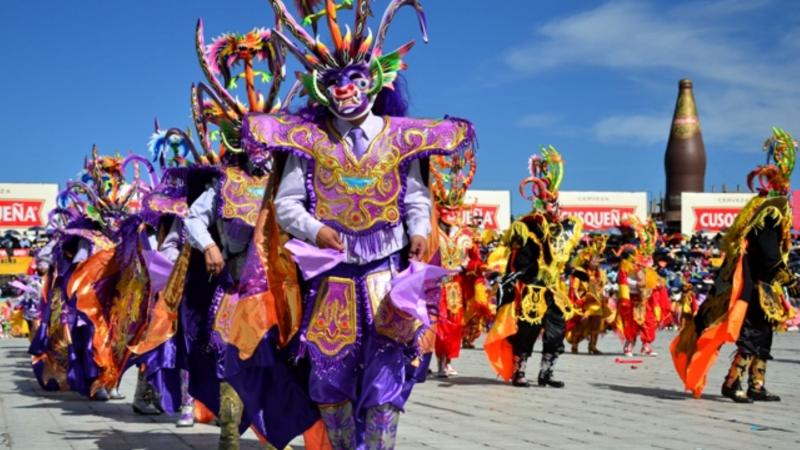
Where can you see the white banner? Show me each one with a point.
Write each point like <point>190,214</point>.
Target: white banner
<point>24,205</point>
<point>602,210</point>
<point>494,207</point>
<point>710,212</point>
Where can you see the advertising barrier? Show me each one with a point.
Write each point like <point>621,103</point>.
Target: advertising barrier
<point>24,205</point>
<point>602,210</point>
<point>710,212</point>
<point>492,207</point>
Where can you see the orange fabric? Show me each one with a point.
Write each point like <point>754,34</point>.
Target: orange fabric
<point>287,300</point>
<point>316,437</point>
<point>201,413</point>
<point>693,360</point>
<point>245,322</point>
<point>162,322</point>
<point>81,285</point>
<point>497,347</point>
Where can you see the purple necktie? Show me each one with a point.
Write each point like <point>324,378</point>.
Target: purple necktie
<point>360,141</point>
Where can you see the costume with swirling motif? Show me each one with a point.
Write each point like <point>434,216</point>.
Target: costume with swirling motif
<point>747,301</point>
<point>533,296</point>
<point>587,292</point>
<point>642,296</point>
<point>452,176</point>
<point>351,187</point>
<point>76,308</point>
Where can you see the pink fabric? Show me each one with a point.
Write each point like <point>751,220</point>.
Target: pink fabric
<point>409,288</point>
<point>159,269</point>
<point>313,260</point>
<point>22,287</point>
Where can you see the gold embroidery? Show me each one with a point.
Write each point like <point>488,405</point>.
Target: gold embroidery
<point>533,305</point>
<point>452,292</point>
<point>243,195</point>
<point>453,251</point>
<point>333,321</point>
<point>773,303</point>
<point>177,207</point>
<point>377,184</point>
<point>378,286</point>
<point>395,324</point>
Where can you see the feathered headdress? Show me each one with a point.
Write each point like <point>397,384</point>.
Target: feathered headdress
<point>215,104</point>
<point>546,175</point>
<point>171,147</point>
<point>452,176</point>
<point>774,177</point>
<point>103,186</point>
<point>352,47</point>
<point>593,250</point>
<point>646,235</point>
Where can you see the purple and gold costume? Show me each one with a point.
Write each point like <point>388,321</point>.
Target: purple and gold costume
<point>357,355</point>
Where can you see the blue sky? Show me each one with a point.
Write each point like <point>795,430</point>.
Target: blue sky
<point>596,79</point>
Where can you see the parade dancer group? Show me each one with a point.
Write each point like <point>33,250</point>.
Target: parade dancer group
<point>296,272</point>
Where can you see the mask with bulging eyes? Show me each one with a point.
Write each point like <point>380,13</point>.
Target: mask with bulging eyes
<point>348,91</point>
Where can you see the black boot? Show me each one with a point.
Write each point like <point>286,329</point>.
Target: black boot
<point>736,393</point>
<point>756,389</point>
<point>732,387</point>
<point>546,371</point>
<point>593,345</point>
<point>762,395</point>
<point>518,379</point>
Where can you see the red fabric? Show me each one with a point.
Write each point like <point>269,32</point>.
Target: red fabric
<point>631,329</point>
<point>473,274</point>
<point>449,330</point>
<point>622,278</point>
<point>660,298</point>
<point>572,323</point>
<point>577,302</point>
<point>475,263</point>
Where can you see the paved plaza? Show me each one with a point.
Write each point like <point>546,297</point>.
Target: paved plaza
<point>605,405</point>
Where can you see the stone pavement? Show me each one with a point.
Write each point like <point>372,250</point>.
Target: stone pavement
<point>605,405</point>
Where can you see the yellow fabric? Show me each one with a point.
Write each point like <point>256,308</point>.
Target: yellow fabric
<point>19,326</point>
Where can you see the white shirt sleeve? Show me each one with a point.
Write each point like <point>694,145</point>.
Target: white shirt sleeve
<point>169,247</point>
<point>417,203</point>
<point>290,202</point>
<point>201,214</point>
<point>82,254</point>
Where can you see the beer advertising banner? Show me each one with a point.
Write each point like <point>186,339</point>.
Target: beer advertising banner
<point>601,211</point>
<point>493,208</point>
<point>24,206</point>
<point>710,212</point>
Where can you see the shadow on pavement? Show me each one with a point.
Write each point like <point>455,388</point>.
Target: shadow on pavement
<point>788,361</point>
<point>666,394</point>
<point>464,381</point>
<point>148,440</point>
<point>74,404</point>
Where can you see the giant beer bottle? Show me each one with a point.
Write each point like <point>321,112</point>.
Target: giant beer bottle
<point>685,159</point>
